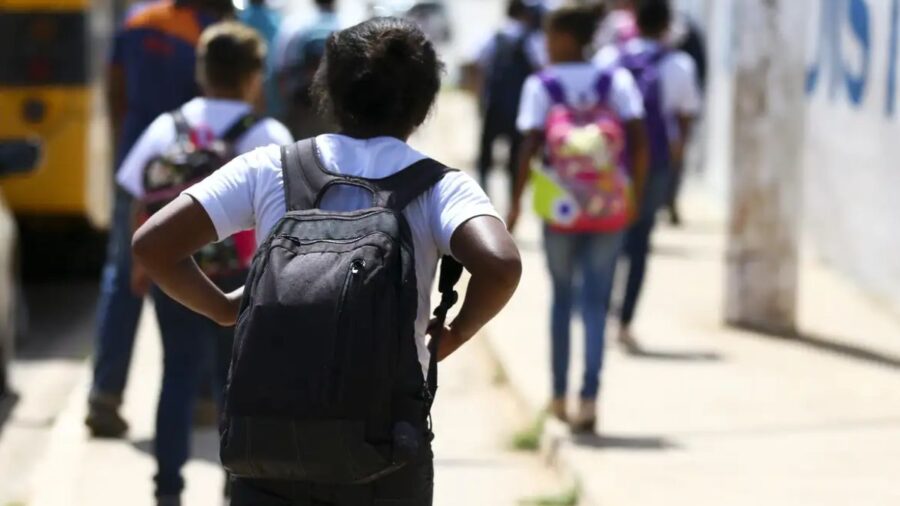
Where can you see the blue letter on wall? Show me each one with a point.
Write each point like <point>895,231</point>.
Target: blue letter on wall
<point>859,22</point>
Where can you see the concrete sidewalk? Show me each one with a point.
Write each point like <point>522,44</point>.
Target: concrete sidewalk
<point>713,415</point>
<point>474,418</point>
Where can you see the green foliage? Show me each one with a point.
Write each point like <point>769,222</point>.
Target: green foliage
<point>529,438</point>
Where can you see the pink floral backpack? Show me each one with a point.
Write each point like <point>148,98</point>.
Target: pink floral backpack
<point>583,186</point>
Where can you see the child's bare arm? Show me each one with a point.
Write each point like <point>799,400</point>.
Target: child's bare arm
<point>164,246</point>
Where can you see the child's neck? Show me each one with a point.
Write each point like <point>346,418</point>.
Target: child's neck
<point>225,95</point>
<point>365,133</point>
<point>573,59</point>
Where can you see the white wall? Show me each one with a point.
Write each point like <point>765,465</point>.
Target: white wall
<point>851,178</point>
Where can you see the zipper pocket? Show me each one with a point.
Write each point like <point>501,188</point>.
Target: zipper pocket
<point>351,283</point>
<point>300,242</point>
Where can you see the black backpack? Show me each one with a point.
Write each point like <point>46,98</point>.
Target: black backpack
<point>509,68</point>
<point>325,383</point>
<point>183,165</point>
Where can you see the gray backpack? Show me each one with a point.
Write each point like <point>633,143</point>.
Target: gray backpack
<point>325,383</point>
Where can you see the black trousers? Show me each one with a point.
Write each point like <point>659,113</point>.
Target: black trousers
<point>491,131</point>
<point>412,485</point>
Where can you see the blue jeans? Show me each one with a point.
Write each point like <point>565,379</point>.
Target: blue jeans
<point>594,256</point>
<point>192,346</point>
<point>637,241</point>
<point>118,309</point>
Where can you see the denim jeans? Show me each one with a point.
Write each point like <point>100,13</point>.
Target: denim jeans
<point>637,241</point>
<point>411,485</point>
<point>192,346</point>
<point>593,256</point>
<point>118,308</point>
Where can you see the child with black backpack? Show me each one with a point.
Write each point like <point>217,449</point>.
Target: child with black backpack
<point>505,61</point>
<point>332,377</point>
<point>586,124</point>
<point>178,149</point>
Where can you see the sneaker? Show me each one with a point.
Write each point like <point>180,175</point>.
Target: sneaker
<point>558,409</point>
<point>627,341</point>
<point>103,418</point>
<point>168,500</point>
<point>585,421</point>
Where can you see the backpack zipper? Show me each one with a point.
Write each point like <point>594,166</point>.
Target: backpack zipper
<point>300,242</point>
<point>354,275</point>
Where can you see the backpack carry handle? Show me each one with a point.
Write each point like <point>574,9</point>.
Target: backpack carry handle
<point>306,180</point>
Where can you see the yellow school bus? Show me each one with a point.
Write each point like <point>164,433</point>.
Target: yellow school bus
<point>52,59</point>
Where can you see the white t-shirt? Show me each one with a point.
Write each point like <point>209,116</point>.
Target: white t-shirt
<point>249,193</point>
<point>579,82</point>
<point>209,119</point>
<point>677,72</point>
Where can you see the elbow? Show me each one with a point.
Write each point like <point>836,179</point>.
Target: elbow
<point>505,270</point>
<point>141,247</point>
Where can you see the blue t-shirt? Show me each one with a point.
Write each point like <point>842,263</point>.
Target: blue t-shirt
<point>262,19</point>
<point>155,49</point>
<point>285,54</point>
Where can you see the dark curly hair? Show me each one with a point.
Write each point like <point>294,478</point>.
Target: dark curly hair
<point>380,77</point>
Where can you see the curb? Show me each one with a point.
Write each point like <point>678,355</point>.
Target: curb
<point>555,441</point>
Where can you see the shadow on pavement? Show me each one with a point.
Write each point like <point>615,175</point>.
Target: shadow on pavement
<point>836,346</point>
<point>674,356</point>
<point>473,463</point>
<point>687,253</point>
<point>60,321</point>
<point>617,442</point>
<point>832,344</point>
<point>204,445</point>
<point>7,404</point>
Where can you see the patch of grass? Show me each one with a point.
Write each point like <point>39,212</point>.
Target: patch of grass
<point>570,497</point>
<point>529,438</point>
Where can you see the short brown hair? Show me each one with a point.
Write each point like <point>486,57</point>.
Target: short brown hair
<point>578,20</point>
<point>228,53</point>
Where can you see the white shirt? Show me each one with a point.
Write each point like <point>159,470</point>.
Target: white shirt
<point>249,193</point>
<point>579,83</point>
<point>677,71</point>
<point>209,119</point>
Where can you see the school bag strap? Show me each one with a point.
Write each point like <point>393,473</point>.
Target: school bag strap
<point>241,126</point>
<point>554,87</point>
<point>182,127</point>
<point>237,129</point>
<point>306,180</point>
<point>451,272</point>
<point>604,86</point>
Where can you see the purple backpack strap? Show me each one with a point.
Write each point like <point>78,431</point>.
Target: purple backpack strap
<point>554,87</point>
<point>604,85</point>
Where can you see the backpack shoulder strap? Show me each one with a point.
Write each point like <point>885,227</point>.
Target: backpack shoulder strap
<point>603,86</point>
<point>554,88</point>
<point>303,175</point>
<point>182,128</point>
<point>241,126</point>
<point>398,190</point>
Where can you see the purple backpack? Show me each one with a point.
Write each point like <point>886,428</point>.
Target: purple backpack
<point>644,66</point>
